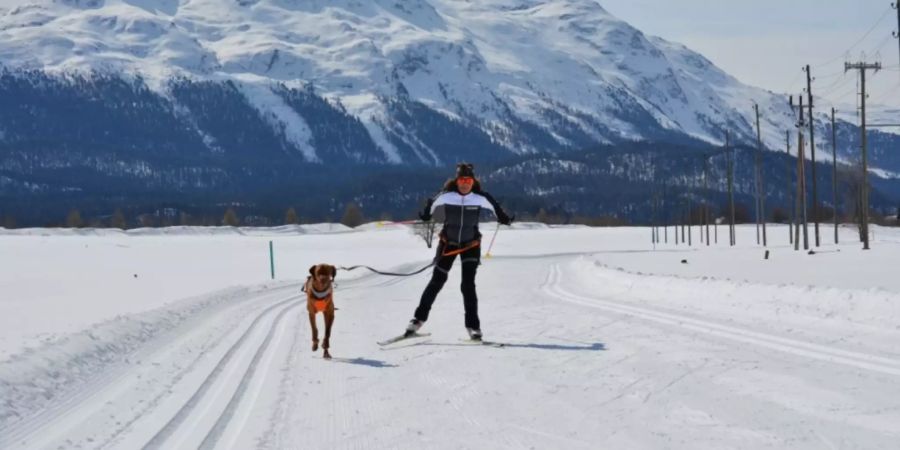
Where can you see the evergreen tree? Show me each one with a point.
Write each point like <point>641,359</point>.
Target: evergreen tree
<point>353,216</point>
<point>74,220</point>
<point>148,220</point>
<point>779,215</point>
<point>231,218</point>
<point>290,217</point>
<point>542,216</point>
<point>9,222</point>
<point>118,220</point>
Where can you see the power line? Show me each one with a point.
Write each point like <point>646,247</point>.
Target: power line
<point>844,92</point>
<point>846,52</point>
<point>881,44</point>
<point>890,89</point>
<point>793,82</point>
<point>831,87</point>
<point>875,25</point>
<point>831,75</point>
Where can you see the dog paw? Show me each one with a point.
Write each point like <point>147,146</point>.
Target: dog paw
<point>326,355</point>
<point>315,345</point>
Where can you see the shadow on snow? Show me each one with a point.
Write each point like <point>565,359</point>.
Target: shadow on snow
<point>364,362</point>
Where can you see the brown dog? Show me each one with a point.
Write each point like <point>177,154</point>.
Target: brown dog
<point>320,298</point>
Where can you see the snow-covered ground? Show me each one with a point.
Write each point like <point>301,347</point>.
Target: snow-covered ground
<point>177,338</point>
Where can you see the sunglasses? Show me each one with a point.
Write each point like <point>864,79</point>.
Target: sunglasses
<point>465,180</point>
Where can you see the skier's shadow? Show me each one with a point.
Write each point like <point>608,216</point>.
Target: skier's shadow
<point>364,362</point>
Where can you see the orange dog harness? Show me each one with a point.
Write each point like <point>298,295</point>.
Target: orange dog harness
<point>320,305</point>
<point>321,299</point>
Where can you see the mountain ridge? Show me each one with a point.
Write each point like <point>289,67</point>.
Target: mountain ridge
<point>566,67</point>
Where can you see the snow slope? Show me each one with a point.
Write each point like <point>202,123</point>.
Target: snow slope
<point>610,343</point>
<point>568,66</point>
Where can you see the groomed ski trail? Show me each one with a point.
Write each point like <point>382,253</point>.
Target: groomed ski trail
<point>889,366</point>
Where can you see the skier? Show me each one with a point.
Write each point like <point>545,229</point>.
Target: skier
<point>461,201</point>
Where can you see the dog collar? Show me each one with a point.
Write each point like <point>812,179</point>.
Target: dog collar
<point>320,295</point>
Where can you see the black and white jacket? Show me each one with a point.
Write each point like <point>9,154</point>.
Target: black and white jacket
<point>461,214</point>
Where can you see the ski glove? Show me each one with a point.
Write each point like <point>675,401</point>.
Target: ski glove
<point>425,215</point>
<point>503,218</point>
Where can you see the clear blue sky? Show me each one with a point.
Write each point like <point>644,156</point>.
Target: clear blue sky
<point>766,42</point>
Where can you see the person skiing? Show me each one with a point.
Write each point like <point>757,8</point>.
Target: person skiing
<point>462,201</point>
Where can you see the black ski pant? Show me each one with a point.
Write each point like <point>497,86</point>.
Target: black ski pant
<point>470,259</point>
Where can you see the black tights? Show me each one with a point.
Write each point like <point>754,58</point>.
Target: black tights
<point>470,259</point>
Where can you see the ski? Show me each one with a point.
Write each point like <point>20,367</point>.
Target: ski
<point>402,337</point>
<point>483,342</point>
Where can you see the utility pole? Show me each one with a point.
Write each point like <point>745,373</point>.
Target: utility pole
<point>706,195</point>
<point>798,195</point>
<point>730,162</point>
<point>665,216</point>
<point>803,197</point>
<point>658,214</point>
<point>653,218</point>
<point>801,181</point>
<point>834,175</point>
<point>761,192</point>
<point>812,150</point>
<point>862,67</point>
<point>896,5</point>
<point>653,237</point>
<point>756,177</point>
<point>676,221</point>
<point>716,231</point>
<point>690,204</point>
<point>790,190</point>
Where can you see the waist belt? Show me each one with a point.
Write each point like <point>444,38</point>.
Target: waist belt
<point>466,248</point>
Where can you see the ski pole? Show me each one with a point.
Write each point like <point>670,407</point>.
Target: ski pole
<point>491,245</point>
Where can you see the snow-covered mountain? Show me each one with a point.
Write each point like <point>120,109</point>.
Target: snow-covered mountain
<point>194,104</point>
<point>533,76</point>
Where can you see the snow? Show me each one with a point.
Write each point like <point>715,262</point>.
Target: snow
<point>875,114</point>
<point>281,117</point>
<point>611,343</point>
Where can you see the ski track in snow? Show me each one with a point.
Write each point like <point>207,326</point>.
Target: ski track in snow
<point>61,421</point>
<point>184,414</point>
<point>105,388</point>
<point>68,413</point>
<point>221,425</point>
<point>829,354</point>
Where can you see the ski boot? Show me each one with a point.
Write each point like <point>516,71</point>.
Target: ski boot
<point>413,327</point>
<point>474,334</point>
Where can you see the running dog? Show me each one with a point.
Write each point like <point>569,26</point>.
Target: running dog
<point>319,290</point>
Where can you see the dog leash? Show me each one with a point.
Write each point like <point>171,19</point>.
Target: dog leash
<point>443,254</point>
<point>390,274</point>
<point>430,265</point>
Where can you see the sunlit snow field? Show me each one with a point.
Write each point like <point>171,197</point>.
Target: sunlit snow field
<point>178,338</point>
